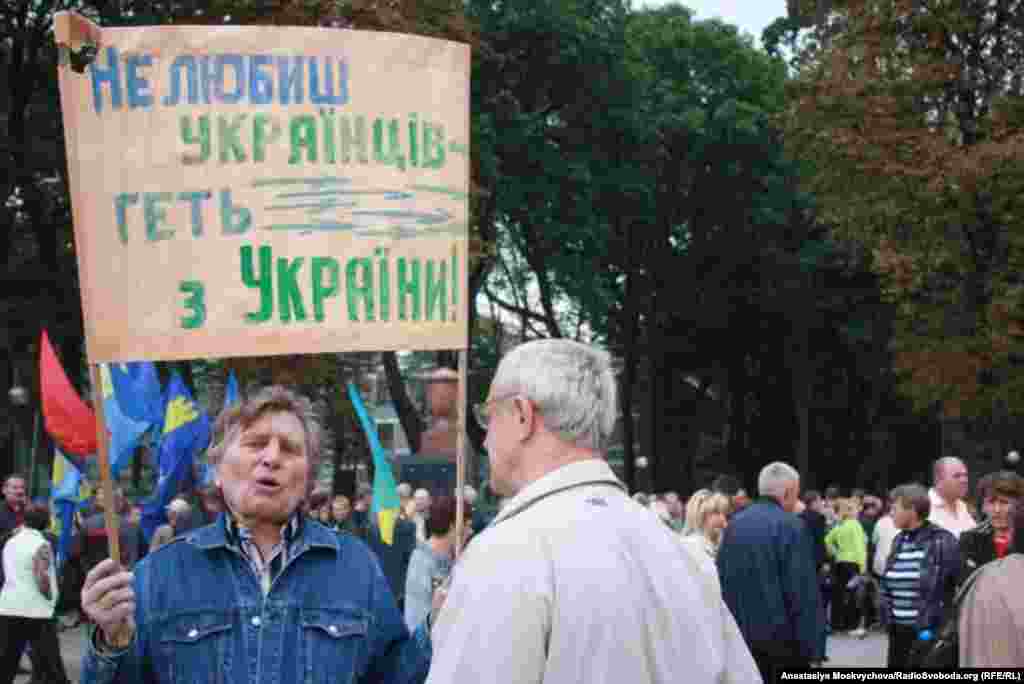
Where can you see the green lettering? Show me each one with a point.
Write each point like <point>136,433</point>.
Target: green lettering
<point>327,120</point>
<point>263,281</point>
<point>384,283</point>
<point>195,302</point>
<point>229,130</point>
<point>321,290</point>
<point>388,151</point>
<point>121,203</point>
<point>303,136</point>
<point>433,145</point>
<point>414,147</point>
<point>265,131</point>
<point>359,286</point>
<point>289,296</point>
<point>353,139</point>
<point>155,215</point>
<point>437,300</point>
<point>190,138</point>
<point>408,287</point>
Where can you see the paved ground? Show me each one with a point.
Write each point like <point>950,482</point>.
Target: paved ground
<point>71,649</point>
<point>846,651</point>
<point>843,651</point>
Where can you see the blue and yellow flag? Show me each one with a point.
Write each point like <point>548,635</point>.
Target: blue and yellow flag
<point>186,434</point>
<point>125,433</point>
<point>138,391</point>
<point>386,504</point>
<point>68,491</point>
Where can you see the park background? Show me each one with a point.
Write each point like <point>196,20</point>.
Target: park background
<point>802,245</point>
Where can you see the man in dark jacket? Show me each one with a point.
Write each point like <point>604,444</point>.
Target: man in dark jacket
<point>13,506</point>
<point>767,569</point>
<point>991,539</point>
<point>394,558</point>
<point>920,576</point>
<point>816,526</point>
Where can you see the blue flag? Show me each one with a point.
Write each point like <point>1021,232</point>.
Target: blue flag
<point>186,434</point>
<point>231,391</point>
<point>138,391</point>
<point>68,491</point>
<point>125,433</point>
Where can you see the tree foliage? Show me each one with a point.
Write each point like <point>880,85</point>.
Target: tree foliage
<point>911,114</point>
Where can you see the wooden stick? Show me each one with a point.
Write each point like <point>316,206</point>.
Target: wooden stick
<point>110,514</point>
<point>102,454</point>
<point>460,454</point>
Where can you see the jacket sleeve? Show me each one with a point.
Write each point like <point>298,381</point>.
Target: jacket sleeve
<point>941,576</point>
<point>969,560</point>
<point>800,588</point>
<point>830,541</point>
<point>129,666</point>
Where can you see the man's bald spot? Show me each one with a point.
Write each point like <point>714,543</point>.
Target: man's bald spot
<point>939,469</point>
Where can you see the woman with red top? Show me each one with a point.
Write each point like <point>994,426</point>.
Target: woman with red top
<point>992,538</point>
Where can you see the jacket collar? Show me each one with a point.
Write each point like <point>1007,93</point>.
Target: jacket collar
<point>589,472</point>
<point>310,535</point>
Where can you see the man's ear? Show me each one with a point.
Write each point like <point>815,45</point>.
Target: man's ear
<point>527,415</point>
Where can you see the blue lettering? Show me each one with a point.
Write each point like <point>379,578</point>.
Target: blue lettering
<point>110,75</point>
<point>139,94</point>
<point>183,64</point>
<point>220,90</point>
<point>289,79</point>
<point>327,96</point>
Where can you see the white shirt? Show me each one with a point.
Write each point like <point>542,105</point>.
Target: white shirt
<point>20,595</point>
<point>956,520</point>
<point>883,536</point>
<point>575,582</point>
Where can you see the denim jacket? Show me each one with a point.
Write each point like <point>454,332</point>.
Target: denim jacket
<point>201,616</point>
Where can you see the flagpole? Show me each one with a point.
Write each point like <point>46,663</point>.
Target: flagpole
<point>460,454</point>
<point>106,480</point>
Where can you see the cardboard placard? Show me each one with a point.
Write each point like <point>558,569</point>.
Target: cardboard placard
<point>244,191</point>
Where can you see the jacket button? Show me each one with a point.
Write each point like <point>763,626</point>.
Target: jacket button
<point>193,633</point>
<point>256,621</point>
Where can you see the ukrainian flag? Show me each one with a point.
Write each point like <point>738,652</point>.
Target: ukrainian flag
<point>67,491</point>
<point>386,503</point>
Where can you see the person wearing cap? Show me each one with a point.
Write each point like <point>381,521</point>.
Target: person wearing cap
<point>573,581</point>
<point>179,512</point>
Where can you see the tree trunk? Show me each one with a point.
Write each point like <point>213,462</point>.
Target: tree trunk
<point>631,322</point>
<point>737,439</point>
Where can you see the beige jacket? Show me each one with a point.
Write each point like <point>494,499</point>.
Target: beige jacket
<point>575,582</point>
<point>992,616</point>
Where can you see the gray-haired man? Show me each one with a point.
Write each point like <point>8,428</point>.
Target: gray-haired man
<point>769,577</point>
<point>550,591</point>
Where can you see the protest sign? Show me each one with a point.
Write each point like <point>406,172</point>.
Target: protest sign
<point>243,191</point>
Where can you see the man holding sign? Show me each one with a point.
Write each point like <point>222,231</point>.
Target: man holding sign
<point>263,594</point>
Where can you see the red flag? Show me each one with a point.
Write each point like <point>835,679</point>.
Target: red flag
<point>69,420</point>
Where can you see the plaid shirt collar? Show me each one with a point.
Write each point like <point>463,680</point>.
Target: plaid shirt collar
<point>266,569</point>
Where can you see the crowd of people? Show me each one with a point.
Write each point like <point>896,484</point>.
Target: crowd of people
<point>572,579</point>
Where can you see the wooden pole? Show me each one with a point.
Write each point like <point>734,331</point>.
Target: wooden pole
<point>110,519</point>
<point>460,454</point>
